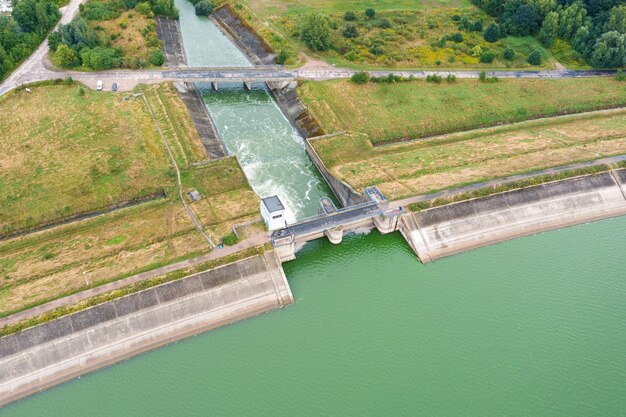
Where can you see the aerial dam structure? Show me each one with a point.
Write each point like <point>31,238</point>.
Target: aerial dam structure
<point>450,229</point>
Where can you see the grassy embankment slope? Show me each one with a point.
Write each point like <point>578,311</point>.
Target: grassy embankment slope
<point>72,154</point>
<point>403,34</point>
<point>387,113</point>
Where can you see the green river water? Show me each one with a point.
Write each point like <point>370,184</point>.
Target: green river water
<point>531,327</point>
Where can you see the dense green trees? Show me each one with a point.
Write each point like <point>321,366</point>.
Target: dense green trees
<point>492,34</point>
<point>204,8</point>
<point>315,32</point>
<point>595,28</point>
<point>24,30</point>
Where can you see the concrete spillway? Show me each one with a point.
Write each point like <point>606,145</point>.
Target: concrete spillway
<point>447,230</point>
<point>62,349</point>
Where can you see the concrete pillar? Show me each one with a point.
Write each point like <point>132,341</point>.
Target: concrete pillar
<point>247,85</point>
<point>214,85</point>
<point>386,224</point>
<point>285,248</point>
<point>334,235</point>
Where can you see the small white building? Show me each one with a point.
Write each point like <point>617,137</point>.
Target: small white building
<point>273,212</point>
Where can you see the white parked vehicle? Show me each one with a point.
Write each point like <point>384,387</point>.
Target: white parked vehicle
<point>99,85</point>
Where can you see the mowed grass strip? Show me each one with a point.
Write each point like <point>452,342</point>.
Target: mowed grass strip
<point>435,164</point>
<point>338,6</point>
<point>66,153</point>
<point>395,112</point>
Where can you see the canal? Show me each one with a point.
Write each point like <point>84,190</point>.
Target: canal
<point>531,327</point>
<point>251,125</point>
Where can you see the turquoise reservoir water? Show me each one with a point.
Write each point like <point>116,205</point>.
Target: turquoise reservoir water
<point>531,327</point>
<point>251,125</point>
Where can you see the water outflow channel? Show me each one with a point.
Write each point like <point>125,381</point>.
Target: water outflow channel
<point>250,123</point>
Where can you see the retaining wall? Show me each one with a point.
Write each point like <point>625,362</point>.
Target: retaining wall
<point>346,195</point>
<point>62,349</point>
<point>448,230</point>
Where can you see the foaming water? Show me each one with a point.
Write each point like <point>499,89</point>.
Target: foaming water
<point>251,125</point>
<point>269,149</point>
<point>531,327</point>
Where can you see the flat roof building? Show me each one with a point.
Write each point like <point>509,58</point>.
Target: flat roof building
<point>273,212</point>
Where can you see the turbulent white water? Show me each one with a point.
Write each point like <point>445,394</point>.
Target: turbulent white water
<point>251,125</point>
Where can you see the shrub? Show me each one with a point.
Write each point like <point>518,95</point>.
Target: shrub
<point>482,76</point>
<point>360,77</point>
<point>230,239</point>
<point>156,57</point>
<point>204,8</point>
<point>65,56</point>
<point>376,50</point>
<point>144,9</point>
<point>487,57</point>
<point>315,32</point>
<point>620,76</point>
<point>349,17</point>
<point>100,58</point>
<point>282,57</point>
<point>350,32</point>
<point>456,18</point>
<point>451,78</point>
<point>492,34</point>
<point>508,54</point>
<point>478,26</point>
<point>384,24</point>
<point>99,10</point>
<point>81,91</point>
<point>123,25</point>
<point>434,78</point>
<point>535,58</point>
<point>370,13</point>
<point>458,37</point>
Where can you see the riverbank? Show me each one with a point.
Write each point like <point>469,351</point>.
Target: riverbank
<point>46,355</point>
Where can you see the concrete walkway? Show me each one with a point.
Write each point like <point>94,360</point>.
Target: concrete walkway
<point>255,240</point>
<point>500,181</point>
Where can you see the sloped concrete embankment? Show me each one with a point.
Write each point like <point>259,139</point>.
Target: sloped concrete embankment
<point>169,32</point>
<point>62,349</point>
<point>243,36</point>
<point>451,229</point>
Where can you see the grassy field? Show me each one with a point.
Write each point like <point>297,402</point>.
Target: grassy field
<point>392,112</point>
<point>66,153</point>
<point>403,34</point>
<point>67,135</point>
<point>433,164</point>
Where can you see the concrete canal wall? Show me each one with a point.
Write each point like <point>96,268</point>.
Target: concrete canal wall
<point>448,230</point>
<point>51,353</point>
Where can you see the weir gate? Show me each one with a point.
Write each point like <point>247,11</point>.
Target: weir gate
<point>332,222</point>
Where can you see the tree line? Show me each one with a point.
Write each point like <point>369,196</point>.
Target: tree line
<point>79,44</point>
<point>596,29</point>
<point>23,31</point>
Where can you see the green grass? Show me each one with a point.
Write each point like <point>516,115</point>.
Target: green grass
<point>392,112</point>
<point>411,39</point>
<point>65,154</point>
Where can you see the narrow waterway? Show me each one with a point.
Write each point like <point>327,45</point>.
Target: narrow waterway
<point>531,327</point>
<point>251,125</point>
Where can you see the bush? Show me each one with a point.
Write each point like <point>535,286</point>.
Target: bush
<point>144,9</point>
<point>230,239</point>
<point>458,37</point>
<point>156,57</point>
<point>620,76</point>
<point>434,78</point>
<point>451,78</point>
<point>370,13</point>
<point>360,77</point>
<point>349,17</point>
<point>376,50</point>
<point>81,91</point>
<point>535,58</point>
<point>99,10</point>
<point>482,76</point>
<point>350,32</point>
<point>204,7</point>
<point>492,34</point>
<point>100,58</point>
<point>65,56</point>
<point>508,54</point>
<point>384,24</point>
<point>282,57</point>
<point>487,57</point>
<point>315,32</point>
